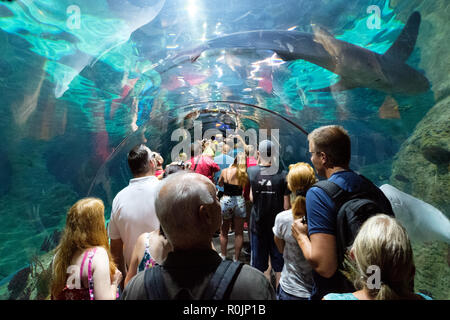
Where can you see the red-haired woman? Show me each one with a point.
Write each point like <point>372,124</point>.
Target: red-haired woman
<point>82,267</point>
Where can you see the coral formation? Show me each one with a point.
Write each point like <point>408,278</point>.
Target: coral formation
<point>31,282</point>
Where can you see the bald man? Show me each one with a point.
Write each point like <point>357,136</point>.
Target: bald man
<point>189,213</point>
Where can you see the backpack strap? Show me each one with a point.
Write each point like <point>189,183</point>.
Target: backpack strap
<point>220,285</point>
<point>196,164</point>
<point>336,193</point>
<point>154,284</point>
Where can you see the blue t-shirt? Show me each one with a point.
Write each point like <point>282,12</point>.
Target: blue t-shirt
<point>321,218</point>
<point>350,296</point>
<point>236,151</point>
<point>320,208</point>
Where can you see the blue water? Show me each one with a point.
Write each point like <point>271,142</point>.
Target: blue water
<point>83,81</point>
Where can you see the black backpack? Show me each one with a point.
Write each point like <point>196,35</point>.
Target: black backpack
<point>219,287</point>
<point>353,209</point>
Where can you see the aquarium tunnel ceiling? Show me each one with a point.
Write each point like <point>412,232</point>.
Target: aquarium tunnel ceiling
<point>82,82</point>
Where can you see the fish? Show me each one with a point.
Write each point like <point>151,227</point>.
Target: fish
<point>356,66</point>
<point>422,221</point>
<point>402,178</point>
<point>389,109</point>
<point>436,154</point>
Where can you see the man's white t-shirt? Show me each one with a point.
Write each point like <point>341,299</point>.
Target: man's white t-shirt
<point>133,213</point>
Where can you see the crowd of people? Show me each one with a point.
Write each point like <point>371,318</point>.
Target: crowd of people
<point>159,240</point>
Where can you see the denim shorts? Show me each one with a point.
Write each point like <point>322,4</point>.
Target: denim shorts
<point>233,206</point>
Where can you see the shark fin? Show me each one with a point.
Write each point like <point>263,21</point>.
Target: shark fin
<point>341,85</point>
<point>320,34</point>
<point>321,31</point>
<point>404,45</point>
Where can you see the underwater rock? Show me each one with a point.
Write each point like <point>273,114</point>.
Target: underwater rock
<point>420,168</point>
<point>401,178</point>
<point>418,174</point>
<point>32,282</point>
<point>448,256</point>
<point>432,271</point>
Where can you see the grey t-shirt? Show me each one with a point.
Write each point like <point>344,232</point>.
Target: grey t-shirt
<point>296,276</point>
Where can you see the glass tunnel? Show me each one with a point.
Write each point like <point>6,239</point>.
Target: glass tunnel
<point>82,82</point>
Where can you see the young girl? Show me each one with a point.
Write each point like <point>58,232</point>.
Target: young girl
<point>150,249</point>
<point>296,277</point>
<point>82,267</point>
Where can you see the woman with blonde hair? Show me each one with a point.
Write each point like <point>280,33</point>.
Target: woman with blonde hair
<point>83,268</point>
<point>296,277</point>
<point>383,263</point>
<point>233,180</point>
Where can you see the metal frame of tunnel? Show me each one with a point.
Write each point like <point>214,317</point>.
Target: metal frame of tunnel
<point>301,129</point>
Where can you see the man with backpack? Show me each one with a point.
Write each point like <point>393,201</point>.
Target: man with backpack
<point>335,208</point>
<point>189,213</point>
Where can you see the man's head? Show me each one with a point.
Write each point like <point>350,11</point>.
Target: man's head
<point>329,147</point>
<point>266,151</point>
<point>225,149</point>
<point>141,161</point>
<point>188,210</point>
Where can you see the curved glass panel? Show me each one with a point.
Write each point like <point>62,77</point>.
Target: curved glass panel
<point>83,81</point>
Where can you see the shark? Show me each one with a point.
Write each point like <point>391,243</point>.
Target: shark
<point>356,66</point>
<point>422,221</point>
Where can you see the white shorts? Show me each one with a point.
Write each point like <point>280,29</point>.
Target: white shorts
<point>233,206</point>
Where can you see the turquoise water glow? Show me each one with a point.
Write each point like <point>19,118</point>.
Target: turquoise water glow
<point>78,91</point>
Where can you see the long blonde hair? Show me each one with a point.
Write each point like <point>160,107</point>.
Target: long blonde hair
<point>383,242</point>
<point>300,178</point>
<point>240,163</point>
<point>85,228</point>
